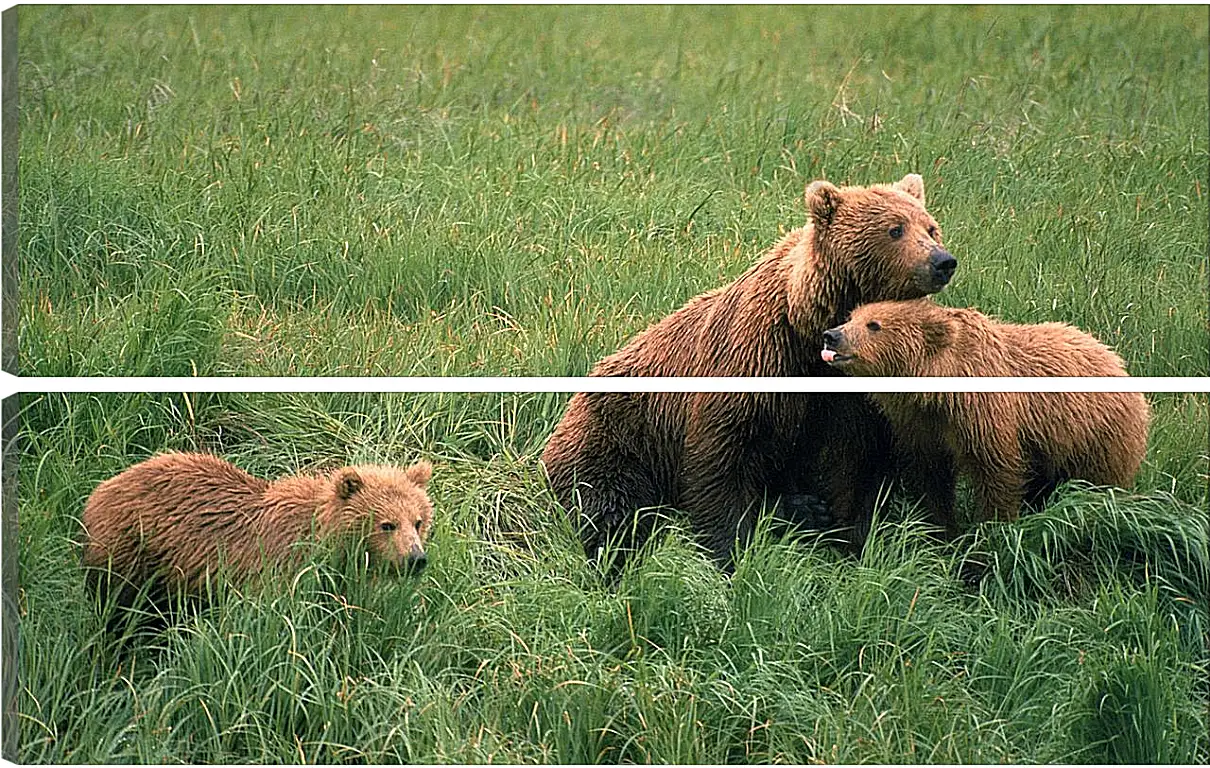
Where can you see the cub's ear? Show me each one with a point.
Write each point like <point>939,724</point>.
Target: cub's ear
<point>420,472</point>
<point>913,184</point>
<point>348,482</point>
<point>823,198</point>
<point>938,334</point>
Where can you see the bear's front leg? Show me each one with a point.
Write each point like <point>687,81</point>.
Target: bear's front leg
<point>985,437</point>
<point>724,469</point>
<point>854,461</point>
<point>998,474</point>
<point>930,475</point>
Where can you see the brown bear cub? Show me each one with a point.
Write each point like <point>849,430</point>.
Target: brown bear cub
<point>1015,446</point>
<point>716,456</point>
<point>171,520</point>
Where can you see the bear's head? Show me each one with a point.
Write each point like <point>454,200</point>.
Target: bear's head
<point>889,338</point>
<point>390,508</point>
<point>879,240</point>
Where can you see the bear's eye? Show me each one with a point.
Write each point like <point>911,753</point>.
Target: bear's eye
<point>418,522</point>
<point>896,232</point>
<point>874,325</point>
<point>933,232</point>
<point>387,527</point>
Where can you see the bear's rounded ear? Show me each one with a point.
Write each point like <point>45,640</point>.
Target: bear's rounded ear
<point>938,334</point>
<point>420,472</point>
<point>913,184</point>
<point>348,482</point>
<point>823,198</point>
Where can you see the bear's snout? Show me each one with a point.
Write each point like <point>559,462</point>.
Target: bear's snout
<point>943,265</point>
<point>833,343</point>
<point>415,561</point>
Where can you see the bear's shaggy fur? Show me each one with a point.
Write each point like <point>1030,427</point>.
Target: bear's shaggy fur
<point>174,518</point>
<point>716,455</point>
<point>1015,446</point>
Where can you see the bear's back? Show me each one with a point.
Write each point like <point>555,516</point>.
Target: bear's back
<point>162,498</point>
<point>1059,349</point>
<point>171,479</point>
<point>740,329</point>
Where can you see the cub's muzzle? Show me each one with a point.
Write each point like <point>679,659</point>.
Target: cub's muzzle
<point>833,339</point>
<point>415,561</point>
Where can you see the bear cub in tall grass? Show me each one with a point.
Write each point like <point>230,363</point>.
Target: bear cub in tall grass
<point>1015,446</point>
<point>167,523</point>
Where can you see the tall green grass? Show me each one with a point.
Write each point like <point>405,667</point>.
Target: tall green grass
<point>1083,639</point>
<point>492,190</point>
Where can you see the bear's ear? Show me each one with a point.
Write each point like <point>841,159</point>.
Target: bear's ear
<point>938,334</point>
<point>823,198</point>
<point>420,472</point>
<point>913,184</point>
<point>348,482</point>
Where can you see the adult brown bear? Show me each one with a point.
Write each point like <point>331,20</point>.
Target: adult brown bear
<point>716,456</point>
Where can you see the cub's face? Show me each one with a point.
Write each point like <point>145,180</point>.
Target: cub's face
<point>882,237</point>
<point>889,338</point>
<point>394,509</point>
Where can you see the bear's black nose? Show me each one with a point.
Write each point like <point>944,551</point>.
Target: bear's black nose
<point>942,263</point>
<point>831,337</point>
<point>415,561</point>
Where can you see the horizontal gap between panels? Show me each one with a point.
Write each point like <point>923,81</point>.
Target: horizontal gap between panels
<point>12,384</point>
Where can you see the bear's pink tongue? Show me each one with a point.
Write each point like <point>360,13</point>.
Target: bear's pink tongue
<point>828,355</point>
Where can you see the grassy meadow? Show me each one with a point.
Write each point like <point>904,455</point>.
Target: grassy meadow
<point>448,191</point>
<point>309,190</point>
<point>1087,639</point>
